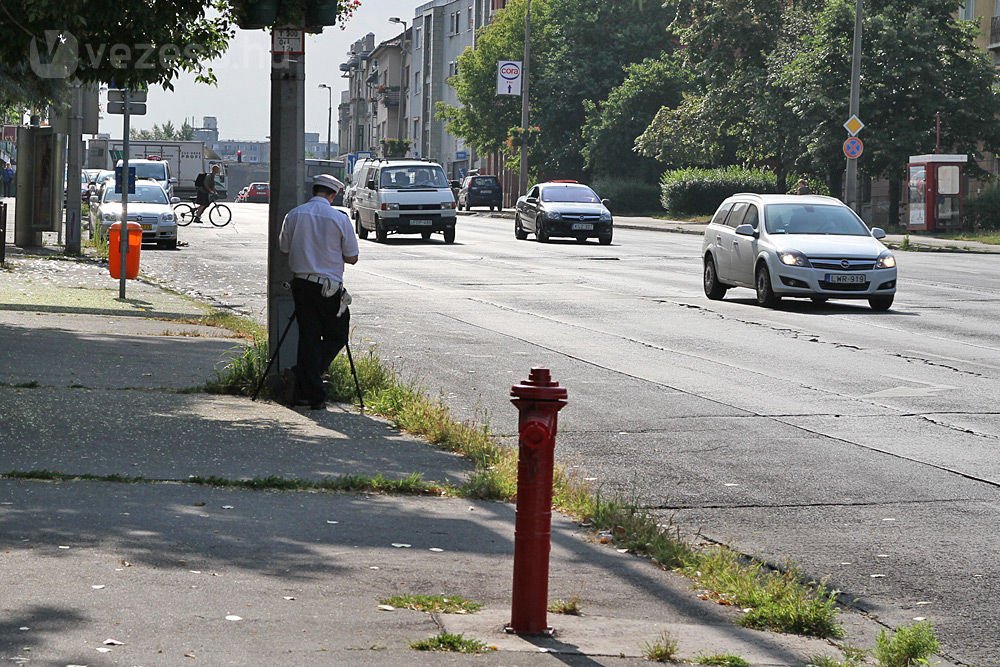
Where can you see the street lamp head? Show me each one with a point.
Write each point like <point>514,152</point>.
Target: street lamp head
<point>323,85</point>
<point>396,19</point>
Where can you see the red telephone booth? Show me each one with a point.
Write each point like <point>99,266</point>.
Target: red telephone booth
<point>935,192</point>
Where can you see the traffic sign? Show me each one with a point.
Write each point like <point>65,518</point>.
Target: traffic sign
<point>853,148</point>
<point>131,180</point>
<point>118,95</point>
<point>134,108</point>
<point>509,77</point>
<point>854,125</point>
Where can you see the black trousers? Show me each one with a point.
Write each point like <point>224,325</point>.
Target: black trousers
<point>322,335</point>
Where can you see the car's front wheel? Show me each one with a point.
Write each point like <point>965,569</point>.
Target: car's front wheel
<point>881,303</point>
<point>381,233</point>
<point>713,288</point>
<point>359,228</point>
<point>541,235</point>
<point>765,293</point>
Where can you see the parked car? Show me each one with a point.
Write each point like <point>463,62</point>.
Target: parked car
<point>796,246</point>
<point>480,190</point>
<point>258,193</point>
<point>149,206</point>
<point>563,208</point>
<point>404,196</point>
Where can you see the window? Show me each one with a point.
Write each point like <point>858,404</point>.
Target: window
<point>968,10</point>
<point>720,215</point>
<point>452,68</point>
<point>472,18</point>
<point>736,217</point>
<point>416,38</point>
<point>416,82</point>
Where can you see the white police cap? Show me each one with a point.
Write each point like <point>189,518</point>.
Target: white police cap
<point>328,181</point>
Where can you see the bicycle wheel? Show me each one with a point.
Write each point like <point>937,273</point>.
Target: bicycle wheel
<point>184,214</point>
<point>220,215</point>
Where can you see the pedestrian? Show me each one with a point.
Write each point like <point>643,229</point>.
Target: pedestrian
<point>206,192</point>
<point>8,179</point>
<point>319,241</point>
<point>802,187</point>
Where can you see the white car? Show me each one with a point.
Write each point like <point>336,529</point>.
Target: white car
<point>796,246</point>
<point>149,206</point>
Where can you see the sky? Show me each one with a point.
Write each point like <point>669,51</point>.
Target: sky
<point>241,100</point>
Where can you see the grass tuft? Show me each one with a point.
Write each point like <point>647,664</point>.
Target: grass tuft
<point>453,643</point>
<point>450,604</point>
<point>570,607</point>
<point>663,649</point>
<point>910,645</point>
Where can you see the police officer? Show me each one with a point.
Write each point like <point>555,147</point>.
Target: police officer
<point>319,241</point>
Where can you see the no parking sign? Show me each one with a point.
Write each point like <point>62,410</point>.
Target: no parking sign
<point>508,77</point>
<point>853,148</point>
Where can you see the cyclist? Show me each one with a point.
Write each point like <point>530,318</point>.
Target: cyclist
<point>206,192</point>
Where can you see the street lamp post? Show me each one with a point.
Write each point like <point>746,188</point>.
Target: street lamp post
<point>329,118</point>
<point>402,68</point>
<point>522,181</point>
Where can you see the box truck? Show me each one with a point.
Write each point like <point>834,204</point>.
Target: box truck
<point>187,159</point>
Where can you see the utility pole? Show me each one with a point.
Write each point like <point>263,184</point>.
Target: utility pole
<point>329,117</point>
<point>287,176</point>
<point>522,182</point>
<point>74,167</point>
<point>851,186</point>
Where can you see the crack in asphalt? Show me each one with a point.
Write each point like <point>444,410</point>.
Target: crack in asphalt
<point>887,503</point>
<point>914,359</point>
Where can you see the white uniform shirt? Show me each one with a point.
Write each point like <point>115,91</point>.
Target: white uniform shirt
<point>316,237</point>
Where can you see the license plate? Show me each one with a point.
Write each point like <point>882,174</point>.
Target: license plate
<point>582,226</point>
<point>846,278</point>
<point>421,222</point>
<point>147,228</point>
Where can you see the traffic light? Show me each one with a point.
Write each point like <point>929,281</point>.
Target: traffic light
<point>255,14</point>
<point>239,156</point>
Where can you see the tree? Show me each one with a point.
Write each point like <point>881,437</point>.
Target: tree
<point>482,117</point>
<point>917,60</point>
<point>612,125</point>
<point>584,49</point>
<point>165,132</point>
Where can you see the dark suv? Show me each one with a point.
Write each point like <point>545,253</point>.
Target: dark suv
<point>480,191</point>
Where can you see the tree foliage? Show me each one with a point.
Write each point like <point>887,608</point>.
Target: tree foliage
<point>612,125</point>
<point>166,132</point>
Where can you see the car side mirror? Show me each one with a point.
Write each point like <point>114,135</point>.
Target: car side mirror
<point>175,200</point>
<point>532,200</point>
<point>878,233</point>
<point>746,230</point>
<point>607,203</point>
<point>370,184</point>
<point>171,180</point>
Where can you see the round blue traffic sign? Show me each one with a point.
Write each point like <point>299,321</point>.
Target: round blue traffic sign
<point>853,148</point>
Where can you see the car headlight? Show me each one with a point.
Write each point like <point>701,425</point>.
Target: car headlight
<point>110,217</point>
<point>553,215</point>
<point>606,216</point>
<point>793,258</point>
<point>447,204</point>
<point>885,261</point>
<point>167,217</point>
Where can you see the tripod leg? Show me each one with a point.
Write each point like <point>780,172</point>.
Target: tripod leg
<point>274,355</point>
<point>354,372</point>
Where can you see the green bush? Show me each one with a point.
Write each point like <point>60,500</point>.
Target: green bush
<point>983,210</point>
<point>628,195</point>
<point>697,191</point>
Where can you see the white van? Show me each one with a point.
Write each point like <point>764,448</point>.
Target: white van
<point>157,170</point>
<point>404,196</point>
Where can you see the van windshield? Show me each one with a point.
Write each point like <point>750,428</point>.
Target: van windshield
<point>413,176</point>
<point>155,171</point>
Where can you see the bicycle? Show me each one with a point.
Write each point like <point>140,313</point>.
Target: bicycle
<point>218,214</point>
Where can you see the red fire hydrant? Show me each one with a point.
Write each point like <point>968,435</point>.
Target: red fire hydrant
<point>538,400</point>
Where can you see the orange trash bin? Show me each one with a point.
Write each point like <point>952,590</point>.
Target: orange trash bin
<point>115,253</point>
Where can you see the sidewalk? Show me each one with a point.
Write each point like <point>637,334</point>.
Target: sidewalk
<point>162,572</point>
<point>915,241</point>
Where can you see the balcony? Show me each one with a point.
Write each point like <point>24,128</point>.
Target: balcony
<point>388,95</point>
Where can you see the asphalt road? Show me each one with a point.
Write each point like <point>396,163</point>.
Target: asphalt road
<point>860,445</point>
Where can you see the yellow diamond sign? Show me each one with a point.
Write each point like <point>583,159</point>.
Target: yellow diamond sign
<point>854,125</point>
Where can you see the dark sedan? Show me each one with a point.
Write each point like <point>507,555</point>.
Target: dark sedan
<point>563,208</point>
